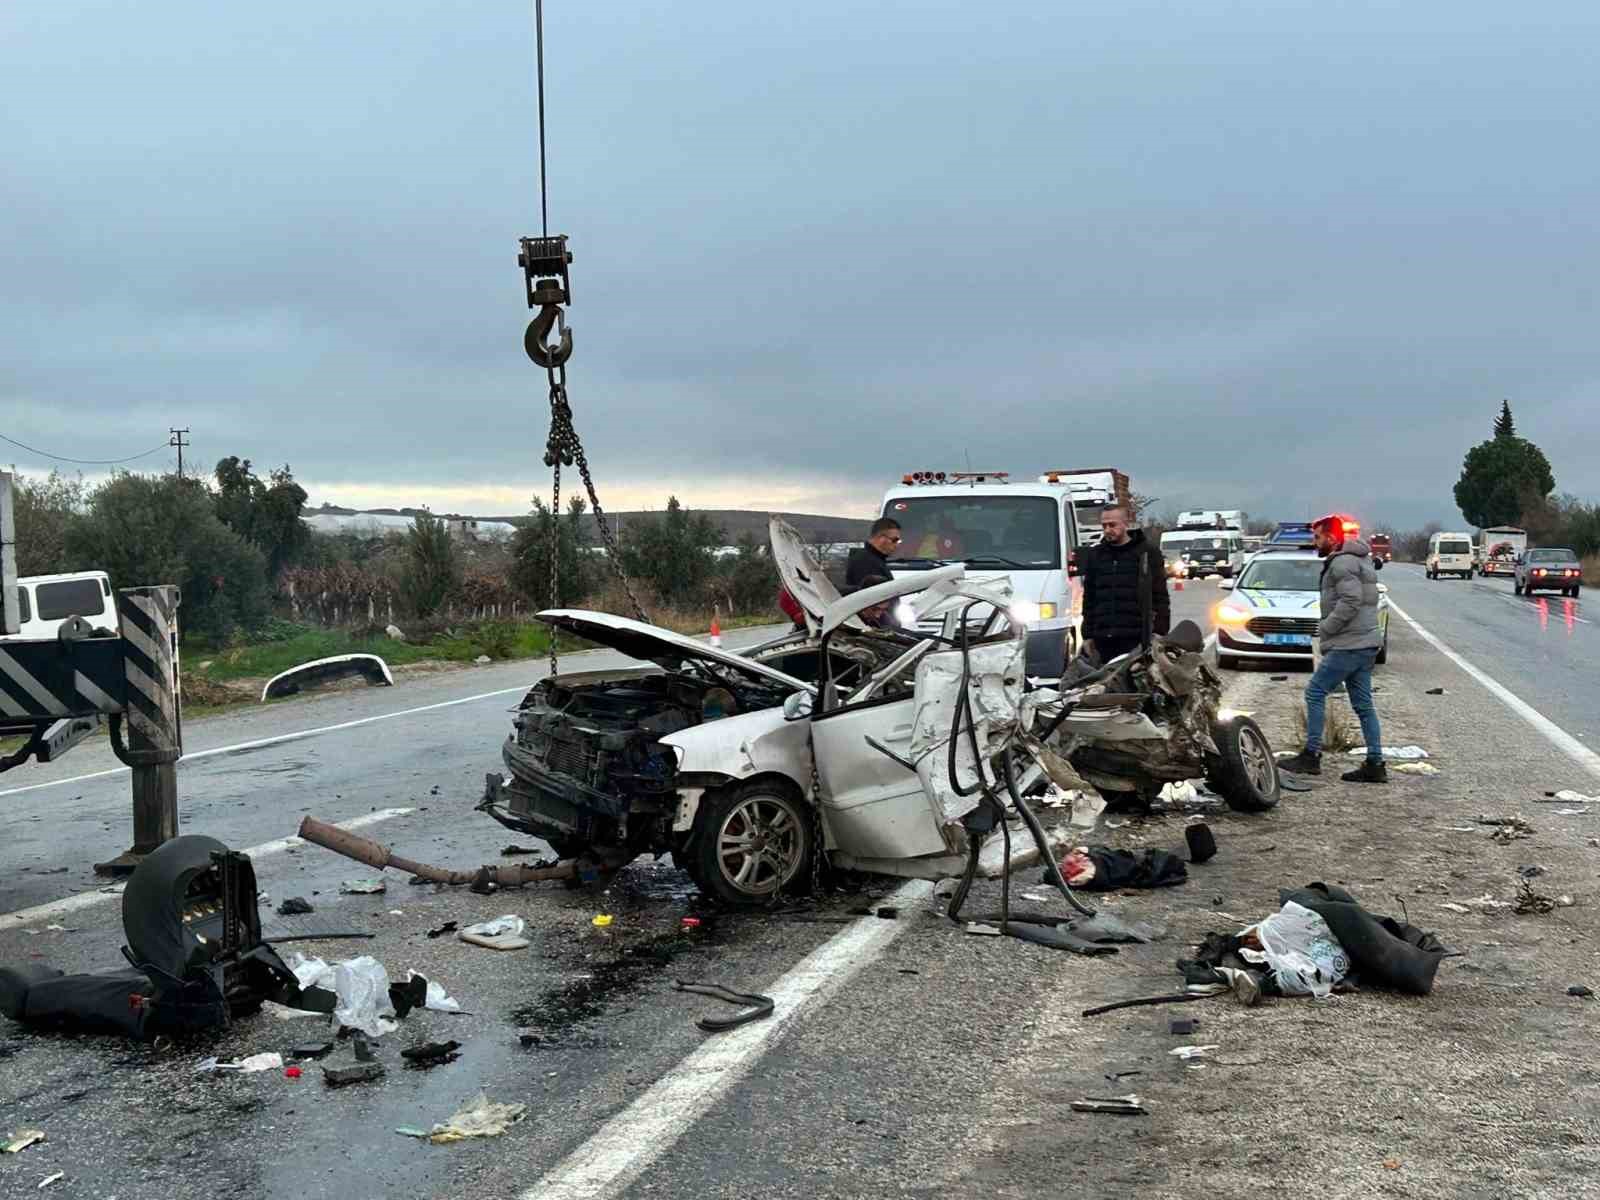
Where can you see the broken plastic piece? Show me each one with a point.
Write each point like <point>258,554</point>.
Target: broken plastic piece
<point>447,927</point>
<point>362,887</point>
<point>49,1179</point>
<point>1202,843</point>
<point>1188,1052</point>
<point>361,1072</point>
<point>1119,1106</point>
<point>430,1054</point>
<point>1578,989</point>
<point>601,920</point>
<point>502,933</point>
<point>481,1118</point>
<point>21,1140</point>
<point>979,929</point>
<point>291,1072</point>
<point>1182,1026</point>
<point>312,1050</point>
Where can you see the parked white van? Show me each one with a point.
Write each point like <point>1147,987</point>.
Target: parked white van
<point>45,601</point>
<point>1450,554</point>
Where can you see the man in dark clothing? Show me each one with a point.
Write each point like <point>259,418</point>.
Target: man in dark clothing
<point>873,557</point>
<point>1124,588</point>
<point>881,615</point>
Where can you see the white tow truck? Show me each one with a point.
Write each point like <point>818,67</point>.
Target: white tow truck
<point>1027,532</point>
<point>1498,548</point>
<point>1207,541</point>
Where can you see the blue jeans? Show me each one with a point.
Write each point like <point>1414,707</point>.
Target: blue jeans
<point>1353,668</point>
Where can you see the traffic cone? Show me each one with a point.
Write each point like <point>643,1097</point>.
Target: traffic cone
<point>716,629</point>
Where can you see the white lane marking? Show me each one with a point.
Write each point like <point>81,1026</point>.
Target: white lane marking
<point>259,743</point>
<point>624,1146</point>
<point>1560,738</point>
<point>82,900</point>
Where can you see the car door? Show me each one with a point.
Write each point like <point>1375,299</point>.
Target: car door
<point>875,807</point>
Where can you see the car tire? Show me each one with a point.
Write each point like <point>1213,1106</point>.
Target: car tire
<point>1516,587</point>
<point>749,813</point>
<point>1228,662</point>
<point>1576,588</point>
<point>1243,773</point>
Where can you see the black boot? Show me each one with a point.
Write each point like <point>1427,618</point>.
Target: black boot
<point>1373,770</point>
<point>1307,762</point>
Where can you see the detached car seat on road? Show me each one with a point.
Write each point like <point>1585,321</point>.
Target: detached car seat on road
<point>190,916</point>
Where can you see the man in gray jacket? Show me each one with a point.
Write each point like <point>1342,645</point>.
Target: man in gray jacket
<point>1350,640</point>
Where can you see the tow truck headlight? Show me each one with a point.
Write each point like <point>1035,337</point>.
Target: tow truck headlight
<point>1027,612</point>
<point>1229,614</point>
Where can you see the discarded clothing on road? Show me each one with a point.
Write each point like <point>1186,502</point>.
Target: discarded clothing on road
<point>1104,869</point>
<point>1374,951</point>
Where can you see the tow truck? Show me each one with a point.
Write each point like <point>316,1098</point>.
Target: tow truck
<point>1025,531</point>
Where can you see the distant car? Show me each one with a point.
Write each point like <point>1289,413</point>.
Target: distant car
<point>1553,569</point>
<point>1276,604</point>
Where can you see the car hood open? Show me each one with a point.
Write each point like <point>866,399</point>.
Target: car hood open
<point>802,577</point>
<point>660,646</point>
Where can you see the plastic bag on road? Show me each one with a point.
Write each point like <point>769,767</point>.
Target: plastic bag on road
<point>362,986</point>
<point>438,999</point>
<point>482,1118</point>
<point>1301,951</point>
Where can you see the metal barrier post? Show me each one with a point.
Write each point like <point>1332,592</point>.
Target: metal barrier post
<point>149,625</point>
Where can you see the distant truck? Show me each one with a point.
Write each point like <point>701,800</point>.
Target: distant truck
<point>1498,548</point>
<point>46,602</point>
<point>1207,541</point>
<point>1093,489</point>
<point>1382,547</point>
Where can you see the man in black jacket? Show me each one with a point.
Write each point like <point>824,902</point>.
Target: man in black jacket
<point>1124,588</point>
<point>873,557</point>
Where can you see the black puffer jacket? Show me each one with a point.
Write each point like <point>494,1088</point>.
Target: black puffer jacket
<point>1112,577</point>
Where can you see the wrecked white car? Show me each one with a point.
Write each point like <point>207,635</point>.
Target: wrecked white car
<point>886,747</point>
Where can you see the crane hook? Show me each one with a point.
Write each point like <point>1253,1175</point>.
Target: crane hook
<point>536,341</point>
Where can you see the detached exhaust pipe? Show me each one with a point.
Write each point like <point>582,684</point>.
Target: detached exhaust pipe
<point>488,878</point>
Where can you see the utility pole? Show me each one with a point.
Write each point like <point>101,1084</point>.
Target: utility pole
<point>177,440</point>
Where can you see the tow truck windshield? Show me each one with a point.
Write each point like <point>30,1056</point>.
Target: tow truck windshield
<point>1008,531</point>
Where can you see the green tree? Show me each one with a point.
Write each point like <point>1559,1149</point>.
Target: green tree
<point>432,570</point>
<point>1503,477</point>
<point>267,512</point>
<point>144,529</point>
<point>536,541</point>
<point>749,579</point>
<point>1504,426</point>
<point>44,509</point>
<point>673,553</point>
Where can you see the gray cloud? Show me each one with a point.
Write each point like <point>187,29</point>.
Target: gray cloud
<point>1282,255</point>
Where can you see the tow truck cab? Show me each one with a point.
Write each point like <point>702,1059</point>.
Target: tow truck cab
<point>1027,532</point>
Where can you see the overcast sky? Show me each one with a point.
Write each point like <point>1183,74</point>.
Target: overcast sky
<point>1280,255</point>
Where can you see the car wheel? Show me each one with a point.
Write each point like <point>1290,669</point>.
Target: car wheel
<point>750,843</point>
<point>1228,662</point>
<point>1516,587</point>
<point>1244,773</point>
<point>1576,588</point>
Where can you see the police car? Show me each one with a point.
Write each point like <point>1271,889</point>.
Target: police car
<point>1273,612</point>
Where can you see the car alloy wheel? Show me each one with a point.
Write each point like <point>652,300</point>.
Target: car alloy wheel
<point>754,841</point>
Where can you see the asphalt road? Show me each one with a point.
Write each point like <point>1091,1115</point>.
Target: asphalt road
<point>905,1058</point>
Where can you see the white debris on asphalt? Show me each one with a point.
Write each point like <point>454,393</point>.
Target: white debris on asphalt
<point>1187,1052</point>
<point>481,1118</point>
<point>361,985</point>
<point>438,999</point>
<point>1401,753</point>
<point>502,933</point>
<point>1415,768</point>
<point>362,887</point>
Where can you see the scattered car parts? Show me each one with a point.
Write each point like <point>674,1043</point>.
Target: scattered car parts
<point>328,670</point>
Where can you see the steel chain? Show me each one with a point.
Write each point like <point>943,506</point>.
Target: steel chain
<point>564,447</point>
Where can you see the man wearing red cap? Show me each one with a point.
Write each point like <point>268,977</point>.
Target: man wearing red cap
<point>1350,640</point>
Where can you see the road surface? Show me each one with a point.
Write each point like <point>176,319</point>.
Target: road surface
<point>905,1058</point>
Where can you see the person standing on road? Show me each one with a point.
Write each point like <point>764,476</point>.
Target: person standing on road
<point>1350,640</point>
<point>1124,588</point>
<point>873,557</point>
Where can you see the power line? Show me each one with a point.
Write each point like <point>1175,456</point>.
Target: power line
<point>85,462</point>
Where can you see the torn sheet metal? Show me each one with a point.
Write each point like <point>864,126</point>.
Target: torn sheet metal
<point>995,690</point>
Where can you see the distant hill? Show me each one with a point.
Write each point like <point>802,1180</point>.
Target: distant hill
<point>814,527</point>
